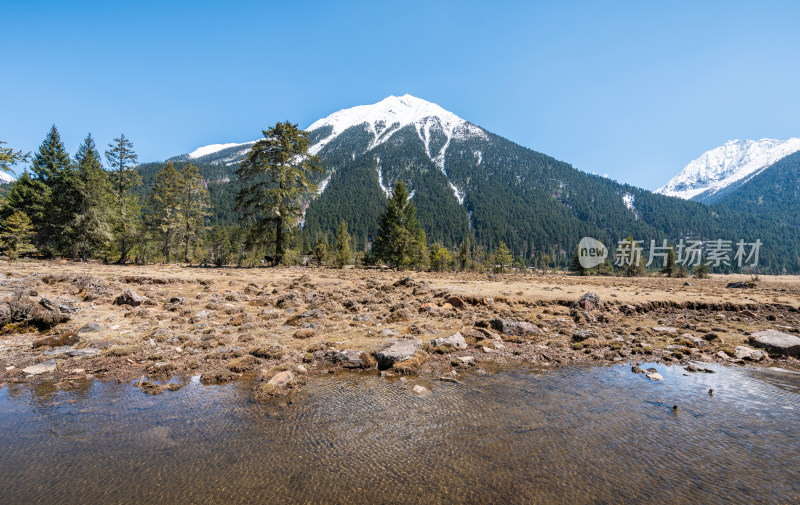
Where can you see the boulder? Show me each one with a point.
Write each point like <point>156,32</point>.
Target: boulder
<point>398,351</point>
<point>41,368</point>
<point>665,329</point>
<point>65,339</point>
<point>777,342</point>
<point>350,358</point>
<point>654,376</point>
<point>421,390</point>
<point>515,328</point>
<point>456,340</point>
<point>456,301</point>
<point>589,301</point>
<point>200,316</point>
<point>748,353</point>
<point>129,297</point>
<point>581,335</point>
<point>89,328</point>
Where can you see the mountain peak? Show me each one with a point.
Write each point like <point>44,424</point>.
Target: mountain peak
<point>388,116</point>
<point>734,161</point>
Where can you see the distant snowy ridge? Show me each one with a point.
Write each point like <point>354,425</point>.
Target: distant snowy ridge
<point>736,161</point>
<point>214,148</point>
<point>6,177</point>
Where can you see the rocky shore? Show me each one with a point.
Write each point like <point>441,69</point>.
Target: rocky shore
<point>157,325</point>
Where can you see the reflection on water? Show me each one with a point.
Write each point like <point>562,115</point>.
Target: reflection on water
<point>598,435</point>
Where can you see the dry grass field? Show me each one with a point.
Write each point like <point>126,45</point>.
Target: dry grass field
<point>222,323</point>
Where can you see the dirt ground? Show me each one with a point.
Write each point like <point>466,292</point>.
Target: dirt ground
<point>222,323</point>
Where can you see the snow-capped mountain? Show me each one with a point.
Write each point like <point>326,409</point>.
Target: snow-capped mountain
<point>464,181</point>
<point>727,166</point>
<point>6,177</point>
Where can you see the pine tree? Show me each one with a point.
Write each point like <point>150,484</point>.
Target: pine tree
<point>17,231</point>
<point>90,230</point>
<point>9,157</point>
<point>441,259</point>
<point>164,207</point>
<point>274,179</point>
<point>193,209</point>
<point>464,250</point>
<point>343,254</point>
<point>575,265</point>
<point>401,241</point>
<point>502,258</point>
<point>702,270</point>
<point>125,211</point>
<point>45,194</point>
<point>670,265</point>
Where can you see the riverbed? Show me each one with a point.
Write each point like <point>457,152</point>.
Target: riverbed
<point>574,435</point>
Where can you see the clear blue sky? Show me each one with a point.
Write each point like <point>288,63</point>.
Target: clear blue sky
<point>630,89</point>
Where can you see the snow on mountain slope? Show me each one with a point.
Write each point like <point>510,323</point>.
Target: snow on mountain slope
<point>6,177</point>
<point>386,117</point>
<point>735,161</point>
<point>213,148</point>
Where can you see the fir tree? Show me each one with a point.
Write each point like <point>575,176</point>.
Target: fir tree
<point>441,259</point>
<point>463,256</point>
<point>502,258</point>
<point>275,178</point>
<point>702,270</point>
<point>90,230</point>
<point>164,207</point>
<point>343,254</point>
<point>575,265</point>
<point>125,211</point>
<point>193,208</point>
<point>17,231</point>
<point>401,241</point>
<point>46,193</point>
<point>670,265</point>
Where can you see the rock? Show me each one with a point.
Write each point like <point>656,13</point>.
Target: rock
<point>302,369</point>
<point>65,339</point>
<point>466,360</point>
<point>41,368</point>
<point>129,297</point>
<point>487,350</point>
<point>748,353</point>
<point>665,329</point>
<point>421,390</point>
<point>398,351</point>
<point>636,369</point>
<point>405,281</point>
<point>350,358</point>
<point>777,342</point>
<point>515,328</point>
<point>281,379</point>
<point>722,355</point>
<point>449,378</point>
<point>741,285</point>
<point>581,335</point>
<point>696,341</point>
<point>217,377</point>
<point>200,316</point>
<point>78,371</point>
<point>487,301</point>
<point>89,328</point>
<point>57,351</point>
<point>589,301</point>
<point>748,313</point>
<point>456,301</point>
<point>654,376</point>
<point>305,317</point>
<point>398,315</point>
<point>362,318</point>
<point>456,340</point>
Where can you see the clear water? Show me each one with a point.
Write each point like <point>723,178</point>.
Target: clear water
<point>596,435</point>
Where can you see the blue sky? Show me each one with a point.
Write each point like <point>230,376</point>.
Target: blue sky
<point>634,90</point>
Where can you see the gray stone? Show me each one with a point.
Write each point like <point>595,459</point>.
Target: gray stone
<point>83,353</point>
<point>89,328</point>
<point>467,360</point>
<point>43,367</point>
<point>347,358</point>
<point>398,351</point>
<point>515,328</point>
<point>281,379</point>
<point>362,318</point>
<point>744,352</point>
<point>200,316</point>
<point>775,341</point>
<point>697,341</point>
<point>58,351</point>
<point>421,390</point>
<point>654,376</point>
<point>129,297</point>
<point>581,335</point>
<point>456,340</point>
